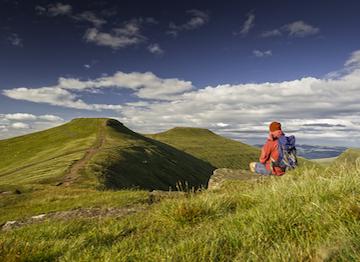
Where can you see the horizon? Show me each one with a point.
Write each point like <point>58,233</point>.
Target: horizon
<point>231,68</point>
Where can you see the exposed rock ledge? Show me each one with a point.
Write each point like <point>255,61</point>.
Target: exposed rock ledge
<point>223,174</point>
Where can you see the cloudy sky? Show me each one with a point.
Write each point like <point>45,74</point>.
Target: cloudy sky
<point>232,68</point>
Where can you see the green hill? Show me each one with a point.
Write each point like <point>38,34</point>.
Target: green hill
<point>208,146</point>
<point>351,158</point>
<point>97,152</point>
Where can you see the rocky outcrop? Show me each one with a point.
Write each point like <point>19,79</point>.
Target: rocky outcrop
<point>223,174</point>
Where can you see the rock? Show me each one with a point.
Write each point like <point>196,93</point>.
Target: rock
<point>38,216</point>
<point>223,174</point>
<point>10,225</point>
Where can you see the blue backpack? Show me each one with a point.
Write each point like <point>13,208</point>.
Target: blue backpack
<point>287,153</point>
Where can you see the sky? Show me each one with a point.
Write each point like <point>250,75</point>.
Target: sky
<point>232,67</point>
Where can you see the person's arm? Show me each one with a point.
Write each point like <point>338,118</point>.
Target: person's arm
<point>265,153</point>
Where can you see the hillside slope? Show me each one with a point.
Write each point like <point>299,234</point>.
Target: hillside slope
<point>97,152</point>
<point>350,157</point>
<point>208,146</point>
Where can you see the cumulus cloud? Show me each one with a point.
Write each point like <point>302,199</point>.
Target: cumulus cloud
<point>354,60</point>
<point>247,109</point>
<point>155,49</point>
<point>144,85</point>
<point>54,9</point>
<point>311,108</point>
<point>20,125</point>
<point>248,25</point>
<point>15,40</point>
<point>126,35</point>
<point>294,29</point>
<point>197,19</point>
<point>300,29</point>
<point>91,17</point>
<point>259,53</point>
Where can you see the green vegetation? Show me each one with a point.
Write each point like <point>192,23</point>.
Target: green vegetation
<point>310,214</point>
<point>129,160</point>
<point>99,153</point>
<point>204,144</point>
<point>44,157</point>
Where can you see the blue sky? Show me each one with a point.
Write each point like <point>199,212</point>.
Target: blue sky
<point>232,68</point>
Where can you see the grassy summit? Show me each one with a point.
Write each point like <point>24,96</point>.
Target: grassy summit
<point>97,152</point>
<point>208,146</point>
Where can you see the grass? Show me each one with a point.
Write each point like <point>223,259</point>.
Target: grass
<point>46,157</point>
<point>310,214</point>
<point>208,146</point>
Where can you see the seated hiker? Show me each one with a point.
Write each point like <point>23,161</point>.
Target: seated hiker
<point>277,155</point>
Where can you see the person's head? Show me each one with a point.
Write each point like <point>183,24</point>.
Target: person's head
<point>274,126</point>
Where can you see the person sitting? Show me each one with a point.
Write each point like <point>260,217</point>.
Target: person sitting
<point>277,155</point>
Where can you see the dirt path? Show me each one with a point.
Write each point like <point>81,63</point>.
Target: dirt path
<point>93,213</point>
<point>73,172</point>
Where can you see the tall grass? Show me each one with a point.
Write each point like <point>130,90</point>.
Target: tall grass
<point>310,214</point>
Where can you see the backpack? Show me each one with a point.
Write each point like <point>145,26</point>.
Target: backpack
<point>287,153</point>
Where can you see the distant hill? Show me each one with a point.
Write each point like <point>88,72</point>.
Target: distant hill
<point>351,158</point>
<point>97,152</point>
<point>317,152</point>
<point>208,146</point>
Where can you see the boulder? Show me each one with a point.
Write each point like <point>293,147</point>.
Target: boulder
<point>223,174</point>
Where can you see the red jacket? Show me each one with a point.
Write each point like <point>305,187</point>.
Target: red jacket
<point>270,151</point>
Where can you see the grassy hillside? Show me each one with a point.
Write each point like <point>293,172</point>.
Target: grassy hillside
<point>45,157</point>
<point>307,215</point>
<point>208,146</point>
<point>351,158</point>
<point>96,152</point>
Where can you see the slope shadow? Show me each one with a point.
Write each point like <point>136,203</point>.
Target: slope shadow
<point>157,166</point>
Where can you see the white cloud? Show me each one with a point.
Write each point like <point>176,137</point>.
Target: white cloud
<point>87,66</point>
<point>91,17</point>
<point>248,25</point>
<point>145,85</point>
<point>198,19</point>
<point>15,40</point>
<point>294,29</point>
<point>56,9</point>
<point>259,53</point>
<point>354,59</point>
<point>247,109</point>
<point>20,125</point>
<point>311,108</point>
<point>300,29</point>
<point>127,35</point>
<point>20,116</point>
<point>50,118</point>
<point>155,49</point>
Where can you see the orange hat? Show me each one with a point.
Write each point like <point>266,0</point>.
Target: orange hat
<point>274,126</point>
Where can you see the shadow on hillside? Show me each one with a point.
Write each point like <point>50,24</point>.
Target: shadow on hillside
<point>156,166</point>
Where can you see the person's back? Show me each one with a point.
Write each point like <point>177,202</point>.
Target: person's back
<point>270,154</point>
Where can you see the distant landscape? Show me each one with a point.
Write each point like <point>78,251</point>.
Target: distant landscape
<point>316,151</point>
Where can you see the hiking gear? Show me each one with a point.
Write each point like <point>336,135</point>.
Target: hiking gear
<point>270,151</point>
<point>287,153</point>
<point>274,126</point>
<point>261,169</point>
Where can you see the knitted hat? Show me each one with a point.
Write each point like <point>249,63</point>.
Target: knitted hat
<point>274,126</point>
